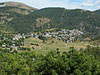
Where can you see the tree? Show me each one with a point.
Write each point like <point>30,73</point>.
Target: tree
<point>42,38</point>
<point>70,63</point>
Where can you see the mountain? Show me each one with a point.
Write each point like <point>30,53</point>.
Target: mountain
<point>97,11</point>
<point>8,14</point>
<point>84,20</point>
<point>19,5</point>
<point>10,11</point>
<point>24,21</point>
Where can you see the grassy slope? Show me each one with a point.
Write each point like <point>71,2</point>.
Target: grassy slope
<point>49,46</point>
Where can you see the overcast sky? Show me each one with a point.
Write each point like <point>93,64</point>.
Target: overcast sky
<point>68,4</point>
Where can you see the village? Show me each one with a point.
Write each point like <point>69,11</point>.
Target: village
<point>65,35</point>
<point>11,42</point>
<point>15,41</point>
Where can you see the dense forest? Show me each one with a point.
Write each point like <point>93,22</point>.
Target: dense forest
<point>84,20</point>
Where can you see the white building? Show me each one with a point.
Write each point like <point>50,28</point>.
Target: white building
<point>17,37</point>
<point>2,5</point>
<point>3,46</point>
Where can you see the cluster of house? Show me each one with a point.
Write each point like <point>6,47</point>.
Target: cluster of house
<point>18,36</point>
<point>65,35</point>
<point>12,43</point>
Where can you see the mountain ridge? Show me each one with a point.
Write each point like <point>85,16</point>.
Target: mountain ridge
<point>85,20</point>
<point>18,4</point>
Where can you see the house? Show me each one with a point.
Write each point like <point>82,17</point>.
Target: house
<point>16,48</point>
<point>8,48</point>
<point>37,35</point>
<point>5,38</point>
<point>23,36</point>
<point>2,5</point>
<point>13,46</point>
<point>3,46</point>
<point>32,35</point>
<point>17,37</point>
<point>47,35</point>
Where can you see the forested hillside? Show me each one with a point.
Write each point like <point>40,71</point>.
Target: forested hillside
<point>84,20</point>
<point>25,21</point>
<point>7,14</point>
<point>97,11</point>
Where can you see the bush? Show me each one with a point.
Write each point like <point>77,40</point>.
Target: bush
<point>35,44</point>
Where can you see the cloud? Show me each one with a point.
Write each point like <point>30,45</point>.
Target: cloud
<point>98,7</point>
<point>90,4</point>
<point>50,3</point>
<point>98,2</point>
<point>87,4</point>
<point>68,4</point>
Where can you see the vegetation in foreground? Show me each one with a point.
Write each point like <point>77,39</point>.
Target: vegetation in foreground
<point>72,62</point>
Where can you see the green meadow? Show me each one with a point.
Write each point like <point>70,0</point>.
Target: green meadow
<point>52,44</point>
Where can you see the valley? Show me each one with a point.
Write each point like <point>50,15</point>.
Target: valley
<point>44,42</point>
<point>48,41</point>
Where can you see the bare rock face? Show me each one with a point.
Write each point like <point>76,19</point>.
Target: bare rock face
<point>20,5</point>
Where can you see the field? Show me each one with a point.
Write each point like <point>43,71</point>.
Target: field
<point>52,45</point>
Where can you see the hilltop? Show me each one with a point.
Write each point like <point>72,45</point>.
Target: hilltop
<point>19,5</point>
<point>10,11</point>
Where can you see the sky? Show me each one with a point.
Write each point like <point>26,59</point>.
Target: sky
<point>68,4</point>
